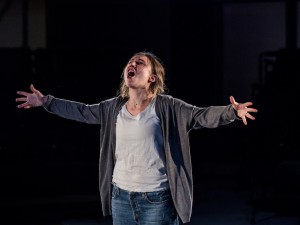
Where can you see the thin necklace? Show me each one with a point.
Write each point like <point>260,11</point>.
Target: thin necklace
<point>146,100</point>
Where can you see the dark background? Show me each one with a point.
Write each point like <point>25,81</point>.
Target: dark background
<point>47,162</point>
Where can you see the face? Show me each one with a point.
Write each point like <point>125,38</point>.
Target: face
<point>137,73</point>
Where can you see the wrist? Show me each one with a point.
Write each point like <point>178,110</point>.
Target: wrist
<point>44,99</point>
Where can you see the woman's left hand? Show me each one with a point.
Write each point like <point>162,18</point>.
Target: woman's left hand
<point>243,110</point>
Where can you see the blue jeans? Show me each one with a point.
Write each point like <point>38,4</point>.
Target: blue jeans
<point>143,208</point>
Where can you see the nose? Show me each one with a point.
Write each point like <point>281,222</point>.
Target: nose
<point>132,63</point>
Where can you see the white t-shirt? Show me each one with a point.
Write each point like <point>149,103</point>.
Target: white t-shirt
<point>140,160</point>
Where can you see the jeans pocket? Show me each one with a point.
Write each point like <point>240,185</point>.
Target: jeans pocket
<point>158,197</point>
<point>115,191</point>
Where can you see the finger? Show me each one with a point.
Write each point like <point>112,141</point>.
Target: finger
<point>248,115</point>
<point>21,99</point>
<point>23,93</point>
<point>247,104</point>
<point>26,104</point>
<point>252,110</point>
<point>244,120</point>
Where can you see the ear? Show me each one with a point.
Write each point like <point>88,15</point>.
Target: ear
<point>152,78</point>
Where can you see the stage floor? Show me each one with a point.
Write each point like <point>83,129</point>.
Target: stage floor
<point>214,204</point>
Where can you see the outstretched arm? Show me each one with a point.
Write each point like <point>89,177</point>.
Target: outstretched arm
<point>65,108</point>
<point>34,99</point>
<point>243,110</point>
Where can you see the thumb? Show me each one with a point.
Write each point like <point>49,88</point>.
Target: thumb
<point>232,100</point>
<point>33,89</point>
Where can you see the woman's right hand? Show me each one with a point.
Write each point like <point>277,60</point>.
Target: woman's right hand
<point>34,99</point>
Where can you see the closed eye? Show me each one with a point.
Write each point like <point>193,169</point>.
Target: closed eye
<point>140,62</point>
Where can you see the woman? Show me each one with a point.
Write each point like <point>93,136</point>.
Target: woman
<point>145,171</point>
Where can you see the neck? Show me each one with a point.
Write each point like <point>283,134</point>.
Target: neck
<point>137,99</point>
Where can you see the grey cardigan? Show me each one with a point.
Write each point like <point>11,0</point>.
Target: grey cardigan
<point>177,119</point>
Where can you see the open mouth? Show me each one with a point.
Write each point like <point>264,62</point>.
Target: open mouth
<point>131,73</point>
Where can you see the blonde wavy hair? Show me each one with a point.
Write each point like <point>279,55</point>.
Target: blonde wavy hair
<point>158,87</point>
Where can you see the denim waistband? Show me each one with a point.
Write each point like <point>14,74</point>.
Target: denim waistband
<point>127,191</point>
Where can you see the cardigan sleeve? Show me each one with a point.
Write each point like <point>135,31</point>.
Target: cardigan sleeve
<point>193,117</point>
<point>73,110</point>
